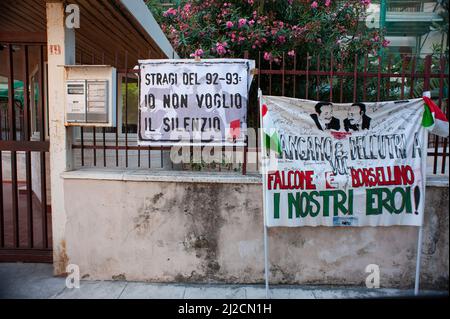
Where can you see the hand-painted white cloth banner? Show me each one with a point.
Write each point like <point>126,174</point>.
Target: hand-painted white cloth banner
<point>189,102</point>
<point>332,164</point>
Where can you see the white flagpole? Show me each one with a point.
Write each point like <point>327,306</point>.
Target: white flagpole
<point>263,174</point>
<point>420,235</point>
<point>419,253</point>
<point>266,261</point>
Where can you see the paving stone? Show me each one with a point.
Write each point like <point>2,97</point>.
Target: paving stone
<point>24,281</point>
<point>94,290</point>
<point>135,290</point>
<point>214,292</point>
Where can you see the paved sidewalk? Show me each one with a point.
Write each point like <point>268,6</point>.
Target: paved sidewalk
<point>19,280</point>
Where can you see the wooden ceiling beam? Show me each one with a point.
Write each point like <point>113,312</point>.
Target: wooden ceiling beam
<point>120,16</point>
<point>23,37</point>
<point>27,16</point>
<point>8,23</point>
<point>139,29</point>
<point>105,36</point>
<point>122,33</point>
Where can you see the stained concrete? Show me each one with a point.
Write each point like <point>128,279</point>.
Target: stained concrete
<point>208,232</point>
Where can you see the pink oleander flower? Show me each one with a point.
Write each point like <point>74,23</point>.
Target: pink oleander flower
<point>197,53</point>
<point>250,2</point>
<point>267,56</point>
<point>170,12</point>
<point>281,39</point>
<point>290,2</point>
<point>327,3</point>
<point>229,24</point>
<point>221,48</point>
<point>365,2</point>
<point>242,22</point>
<point>376,38</point>
<point>314,5</point>
<point>291,53</point>
<point>251,22</point>
<point>385,43</point>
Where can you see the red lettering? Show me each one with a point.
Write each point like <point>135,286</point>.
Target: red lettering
<point>382,176</point>
<point>290,180</point>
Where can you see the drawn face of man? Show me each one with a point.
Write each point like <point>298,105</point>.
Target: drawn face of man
<point>354,114</point>
<point>326,113</point>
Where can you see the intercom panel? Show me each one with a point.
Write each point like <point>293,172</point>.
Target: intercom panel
<point>90,95</point>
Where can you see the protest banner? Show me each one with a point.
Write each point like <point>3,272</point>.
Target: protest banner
<point>357,164</point>
<point>189,101</point>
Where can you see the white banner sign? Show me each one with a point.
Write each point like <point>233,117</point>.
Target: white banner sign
<point>360,164</point>
<point>192,102</point>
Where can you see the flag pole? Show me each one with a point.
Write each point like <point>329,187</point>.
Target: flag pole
<point>420,235</point>
<point>266,261</point>
<point>419,253</point>
<point>263,174</point>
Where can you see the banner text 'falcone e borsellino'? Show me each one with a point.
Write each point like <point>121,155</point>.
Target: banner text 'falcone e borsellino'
<point>359,164</point>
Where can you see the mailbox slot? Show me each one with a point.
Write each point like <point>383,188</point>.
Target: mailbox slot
<point>97,102</point>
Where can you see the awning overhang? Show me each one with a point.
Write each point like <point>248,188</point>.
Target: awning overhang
<point>110,30</point>
<point>138,11</point>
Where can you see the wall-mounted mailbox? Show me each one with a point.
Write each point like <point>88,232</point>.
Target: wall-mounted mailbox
<point>90,95</point>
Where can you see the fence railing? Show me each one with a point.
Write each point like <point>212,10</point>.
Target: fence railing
<point>335,78</point>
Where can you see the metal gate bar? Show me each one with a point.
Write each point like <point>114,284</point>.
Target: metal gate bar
<point>24,232</point>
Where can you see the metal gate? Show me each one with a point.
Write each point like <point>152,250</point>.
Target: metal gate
<point>25,214</point>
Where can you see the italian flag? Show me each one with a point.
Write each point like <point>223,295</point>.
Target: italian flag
<point>434,119</point>
<point>270,135</point>
<point>235,128</point>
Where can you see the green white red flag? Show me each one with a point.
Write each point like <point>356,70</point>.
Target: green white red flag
<point>434,119</point>
<point>271,137</point>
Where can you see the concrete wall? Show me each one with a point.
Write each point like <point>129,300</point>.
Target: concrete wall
<point>162,231</point>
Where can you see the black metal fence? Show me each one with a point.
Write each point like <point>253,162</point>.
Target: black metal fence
<point>326,77</point>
